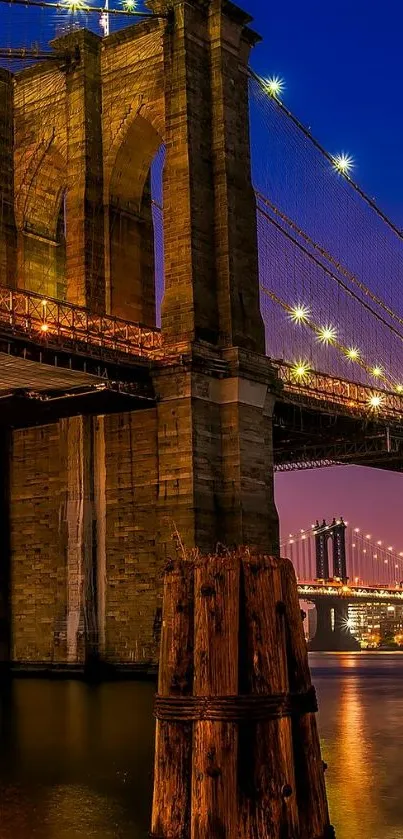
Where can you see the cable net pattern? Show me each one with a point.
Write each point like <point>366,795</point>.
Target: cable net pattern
<point>325,246</point>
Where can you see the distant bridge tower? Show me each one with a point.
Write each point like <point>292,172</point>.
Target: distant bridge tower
<point>337,532</point>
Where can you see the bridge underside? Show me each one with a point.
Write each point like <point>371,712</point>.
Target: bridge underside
<point>33,393</point>
<point>308,437</point>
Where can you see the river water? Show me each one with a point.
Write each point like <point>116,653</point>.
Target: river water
<point>76,761</point>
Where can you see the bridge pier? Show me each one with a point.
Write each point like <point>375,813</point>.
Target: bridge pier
<point>332,631</point>
<point>95,501</point>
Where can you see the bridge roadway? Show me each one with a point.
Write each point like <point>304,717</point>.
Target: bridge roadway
<point>318,420</point>
<point>318,589</point>
<point>331,599</point>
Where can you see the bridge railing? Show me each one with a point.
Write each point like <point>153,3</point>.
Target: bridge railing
<point>347,395</point>
<point>50,321</point>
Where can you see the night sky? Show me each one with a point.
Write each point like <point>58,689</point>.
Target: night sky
<point>342,64</point>
<point>343,67</point>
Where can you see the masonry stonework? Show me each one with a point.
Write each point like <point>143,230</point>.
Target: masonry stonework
<point>99,504</point>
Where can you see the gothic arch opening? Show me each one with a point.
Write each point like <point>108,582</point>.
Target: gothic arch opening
<point>135,225</point>
<point>41,226</point>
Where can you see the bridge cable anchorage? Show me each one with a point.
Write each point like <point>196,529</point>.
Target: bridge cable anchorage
<point>307,134</point>
<point>327,255</point>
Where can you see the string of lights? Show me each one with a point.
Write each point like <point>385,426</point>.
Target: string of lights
<point>333,276</point>
<point>330,258</point>
<point>325,335</point>
<point>342,162</point>
<point>128,7</point>
<point>370,561</point>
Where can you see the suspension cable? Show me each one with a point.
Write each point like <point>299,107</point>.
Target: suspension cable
<point>330,274</point>
<point>323,252</point>
<point>371,203</point>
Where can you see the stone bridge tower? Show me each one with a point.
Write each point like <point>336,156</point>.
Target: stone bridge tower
<point>94,500</point>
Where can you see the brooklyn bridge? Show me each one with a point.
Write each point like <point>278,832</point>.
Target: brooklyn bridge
<point>193,295</point>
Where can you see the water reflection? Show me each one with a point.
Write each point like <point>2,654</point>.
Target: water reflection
<point>76,761</point>
<point>361,726</point>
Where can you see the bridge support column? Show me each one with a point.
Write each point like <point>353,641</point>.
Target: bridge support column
<point>215,455</point>
<point>85,262</point>
<point>209,207</point>
<point>5,551</point>
<point>332,631</point>
<point>8,243</point>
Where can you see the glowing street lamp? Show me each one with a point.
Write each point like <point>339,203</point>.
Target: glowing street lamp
<point>274,86</point>
<point>377,371</point>
<point>75,5</point>
<point>327,335</point>
<point>343,163</point>
<point>375,401</point>
<point>352,354</point>
<point>299,314</point>
<point>300,371</point>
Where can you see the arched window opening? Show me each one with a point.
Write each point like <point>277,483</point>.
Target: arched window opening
<point>135,264</point>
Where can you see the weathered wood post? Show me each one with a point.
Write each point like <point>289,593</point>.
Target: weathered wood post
<point>237,748</point>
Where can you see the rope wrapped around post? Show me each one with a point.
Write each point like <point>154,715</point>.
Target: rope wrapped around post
<point>241,708</point>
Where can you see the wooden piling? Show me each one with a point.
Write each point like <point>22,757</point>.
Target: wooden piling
<point>173,741</point>
<point>309,769</point>
<point>215,743</point>
<point>268,803</point>
<point>237,748</point>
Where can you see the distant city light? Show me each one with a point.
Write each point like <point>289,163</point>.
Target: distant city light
<point>344,163</point>
<point>356,530</point>
<point>274,86</point>
<point>377,371</point>
<point>390,548</point>
<point>327,334</point>
<point>368,536</point>
<point>379,542</point>
<point>299,314</point>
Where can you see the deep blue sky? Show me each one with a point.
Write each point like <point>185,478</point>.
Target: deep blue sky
<point>343,66</point>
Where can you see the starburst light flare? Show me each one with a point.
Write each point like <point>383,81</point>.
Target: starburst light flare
<point>301,370</point>
<point>377,371</point>
<point>344,163</point>
<point>375,401</point>
<point>352,353</point>
<point>75,5</point>
<point>299,314</point>
<point>129,5</point>
<point>274,86</point>
<point>327,334</point>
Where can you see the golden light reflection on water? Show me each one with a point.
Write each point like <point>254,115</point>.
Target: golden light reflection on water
<point>352,762</point>
<point>75,761</point>
<point>361,727</point>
